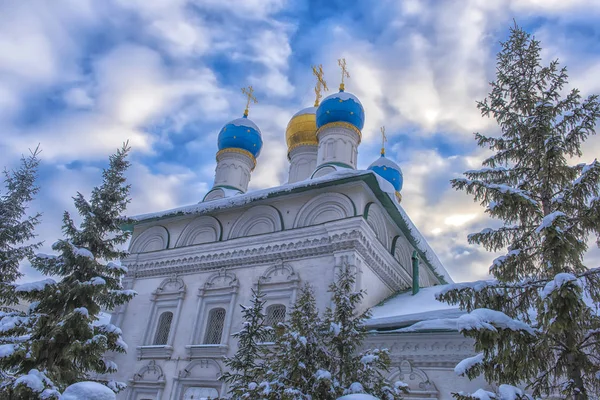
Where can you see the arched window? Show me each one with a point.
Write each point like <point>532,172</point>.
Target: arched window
<point>163,328</point>
<point>200,393</point>
<point>275,314</point>
<point>214,326</point>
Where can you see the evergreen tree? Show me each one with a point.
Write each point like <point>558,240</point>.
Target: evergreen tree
<point>537,323</point>
<point>16,228</point>
<point>353,372</point>
<point>66,343</point>
<point>245,367</point>
<point>299,352</point>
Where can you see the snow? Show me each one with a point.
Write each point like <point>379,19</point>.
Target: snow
<point>251,197</point>
<point>356,387</point>
<point>6,350</point>
<point>509,392</point>
<point>342,96</point>
<point>406,309</point>
<point>322,374</point>
<point>549,220</point>
<point>83,311</point>
<point>481,394</point>
<point>244,122</point>
<point>83,252</point>
<point>358,396</point>
<point>35,286</point>
<point>438,324</point>
<point>307,110</point>
<point>88,391</point>
<point>584,171</point>
<point>34,380</point>
<point>468,363</point>
<point>116,266</point>
<point>97,281</point>
<point>341,173</point>
<point>557,283</point>
<point>484,318</point>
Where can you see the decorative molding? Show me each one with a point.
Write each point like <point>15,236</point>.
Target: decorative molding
<point>206,351</point>
<point>377,221</point>
<point>219,290</point>
<point>149,380</point>
<point>154,238</point>
<point>356,239</point>
<point>279,283</point>
<point>342,127</point>
<point>441,349</point>
<point>236,151</point>
<point>204,372</point>
<point>204,229</point>
<point>257,220</point>
<point>419,385</point>
<point>168,297</point>
<point>150,373</point>
<point>323,208</point>
<point>157,352</point>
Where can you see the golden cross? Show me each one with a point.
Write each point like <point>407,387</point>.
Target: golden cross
<point>321,84</point>
<point>342,64</point>
<point>383,140</point>
<point>249,92</point>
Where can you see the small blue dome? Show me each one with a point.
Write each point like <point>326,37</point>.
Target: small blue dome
<point>243,134</point>
<point>341,107</point>
<point>388,170</point>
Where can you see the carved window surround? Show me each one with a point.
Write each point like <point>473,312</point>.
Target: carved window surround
<point>148,381</point>
<point>220,290</point>
<point>167,297</point>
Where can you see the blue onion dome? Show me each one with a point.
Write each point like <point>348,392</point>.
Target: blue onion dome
<point>242,134</point>
<point>341,107</point>
<point>388,170</point>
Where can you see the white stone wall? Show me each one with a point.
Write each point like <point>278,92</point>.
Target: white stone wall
<point>303,161</point>
<point>189,264</point>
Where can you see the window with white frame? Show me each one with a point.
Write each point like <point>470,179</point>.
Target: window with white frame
<point>214,326</point>
<point>164,327</point>
<point>166,301</point>
<point>216,305</point>
<point>274,315</point>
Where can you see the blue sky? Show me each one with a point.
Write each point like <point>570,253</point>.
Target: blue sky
<point>81,76</point>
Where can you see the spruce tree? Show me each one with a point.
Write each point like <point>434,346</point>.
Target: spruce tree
<point>298,353</point>
<point>16,227</point>
<point>245,367</point>
<point>351,371</point>
<point>66,343</point>
<point>537,322</point>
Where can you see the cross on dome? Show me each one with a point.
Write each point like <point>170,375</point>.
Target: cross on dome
<point>249,92</point>
<point>342,64</point>
<point>383,140</point>
<point>320,85</point>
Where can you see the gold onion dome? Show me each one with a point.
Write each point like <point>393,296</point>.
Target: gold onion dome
<point>302,129</point>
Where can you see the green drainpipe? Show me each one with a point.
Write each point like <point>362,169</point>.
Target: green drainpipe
<point>415,274</point>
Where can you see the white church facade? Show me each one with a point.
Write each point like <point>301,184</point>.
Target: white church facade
<point>193,266</point>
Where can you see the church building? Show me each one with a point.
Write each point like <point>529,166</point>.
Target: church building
<point>193,266</point>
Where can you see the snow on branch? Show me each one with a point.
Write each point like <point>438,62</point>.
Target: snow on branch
<point>35,286</point>
<point>486,319</point>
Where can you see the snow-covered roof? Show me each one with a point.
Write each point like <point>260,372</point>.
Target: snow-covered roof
<point>412,313</point>
<point>413,234</point>
<point>307,110</point>
<point>245,122</point>
<point>342,96</point>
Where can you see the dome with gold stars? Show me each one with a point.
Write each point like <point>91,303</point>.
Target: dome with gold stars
<point>302,129</point>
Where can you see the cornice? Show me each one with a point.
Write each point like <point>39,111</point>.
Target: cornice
<point>350,234</point>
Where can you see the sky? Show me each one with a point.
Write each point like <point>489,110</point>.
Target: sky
<point>80,77</point>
